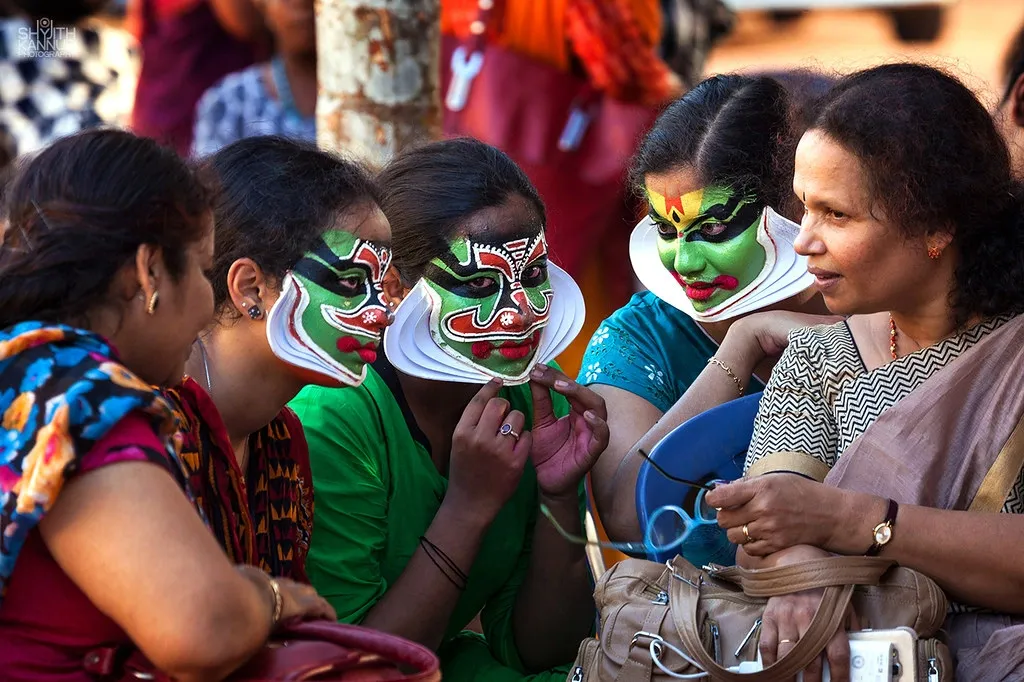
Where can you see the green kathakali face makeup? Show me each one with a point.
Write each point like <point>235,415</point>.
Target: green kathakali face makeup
<point>708,241</point>
<point>339,313</point>
<point>490,302</point>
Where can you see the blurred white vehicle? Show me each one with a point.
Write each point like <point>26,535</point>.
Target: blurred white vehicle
<point>914,20</point>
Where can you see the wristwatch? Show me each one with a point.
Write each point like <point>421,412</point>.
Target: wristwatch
<point>882,533</point>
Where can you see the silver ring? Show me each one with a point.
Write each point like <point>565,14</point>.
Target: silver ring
<point>507,430</point>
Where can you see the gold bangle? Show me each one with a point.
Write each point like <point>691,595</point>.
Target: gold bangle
<point>732,375</point>
<point>275,588</point>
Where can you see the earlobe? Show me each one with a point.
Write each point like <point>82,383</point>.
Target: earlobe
<point>246,288</point>
<point>394,291</point>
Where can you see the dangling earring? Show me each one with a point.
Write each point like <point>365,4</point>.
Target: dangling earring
<point>934,252</point>
<point>255,313</point>
<point>153,300</point>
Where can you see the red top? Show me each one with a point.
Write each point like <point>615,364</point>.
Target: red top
<point>47,624</point>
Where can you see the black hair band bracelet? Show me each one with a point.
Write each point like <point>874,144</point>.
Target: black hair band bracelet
<point>444,563</point>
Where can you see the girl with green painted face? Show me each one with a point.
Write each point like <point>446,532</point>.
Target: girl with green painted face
<point>428,491</point>
<point>709,168</point>
<point>301,246</point>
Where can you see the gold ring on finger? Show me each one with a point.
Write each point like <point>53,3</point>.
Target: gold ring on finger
<point>746,535</point>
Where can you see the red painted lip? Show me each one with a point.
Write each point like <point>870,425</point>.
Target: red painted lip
<point>510,350</point>
<point>367,352</point>
<point>702,291</point>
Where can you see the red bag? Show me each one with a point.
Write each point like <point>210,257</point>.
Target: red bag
<point>300,651</point>
<point>572,140</point>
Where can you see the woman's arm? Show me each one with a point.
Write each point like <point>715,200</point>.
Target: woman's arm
<point>748,342</point>
<point>353,511</point>
<point>130,540</point>
<point>970,555</point>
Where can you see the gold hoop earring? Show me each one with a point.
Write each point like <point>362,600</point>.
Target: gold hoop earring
<point>153,301</point>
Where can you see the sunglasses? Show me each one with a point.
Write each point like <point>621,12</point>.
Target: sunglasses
<point>667,528</point>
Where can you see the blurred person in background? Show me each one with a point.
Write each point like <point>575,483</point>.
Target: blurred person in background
<point>1010,114</point>
<point>272,98</point>
<point>187,46</point>
<point>59,73</point>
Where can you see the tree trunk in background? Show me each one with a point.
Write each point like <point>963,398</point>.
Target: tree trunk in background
<point>378,67</point>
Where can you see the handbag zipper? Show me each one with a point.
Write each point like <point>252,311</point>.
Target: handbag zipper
<point>661,599</point>
<point>746,640</point>
<point>577,675</point>
<point>716,643</point>
<point>933,670</point>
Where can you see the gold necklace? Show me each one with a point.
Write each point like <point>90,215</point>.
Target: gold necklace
<point>892,338</point>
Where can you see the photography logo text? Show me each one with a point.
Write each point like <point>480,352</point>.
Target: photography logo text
<point>45,40</point>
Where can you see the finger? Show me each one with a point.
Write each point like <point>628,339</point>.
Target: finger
<point>521,451</point>
<point>493,415</point>
<point>732,518</point>
<point>733,495</point>
<point>814,670</point>
<point>789,635</point>
<point>580,397</point>
<point>471,415</point>
<point>769,643</point>
<point>599,433</point>
<point>517,420</point>
<point>543,409</point>
<point>838,654</point>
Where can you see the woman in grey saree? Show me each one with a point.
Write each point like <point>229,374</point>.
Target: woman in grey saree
<point>915,228</point>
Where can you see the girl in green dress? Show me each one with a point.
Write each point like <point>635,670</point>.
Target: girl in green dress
<point>428,491</point>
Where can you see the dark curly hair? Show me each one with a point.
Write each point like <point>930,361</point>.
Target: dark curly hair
<point>273,197</point>
<point>77,213</point>
<point>934,160</point>
<point>737,131</point>
<point>430,190</point>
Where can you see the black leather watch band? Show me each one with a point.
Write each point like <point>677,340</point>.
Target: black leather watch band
<point>882,533</point>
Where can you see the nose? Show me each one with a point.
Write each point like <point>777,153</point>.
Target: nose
<point>808,242</point>
<point>523,318</point>
<point>689,259</point>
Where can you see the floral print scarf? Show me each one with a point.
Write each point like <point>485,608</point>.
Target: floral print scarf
<point>61,390</point>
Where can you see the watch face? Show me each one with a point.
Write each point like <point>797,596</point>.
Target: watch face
<point>883,534</point>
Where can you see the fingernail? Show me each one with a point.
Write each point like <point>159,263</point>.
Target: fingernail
<point>561,383</point>
<point>496,381</point>
<point>538,371</point>
<point>589,415</point>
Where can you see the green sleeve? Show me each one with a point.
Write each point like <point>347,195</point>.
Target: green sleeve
<point>497,615</point>
<point>467,657</point>
<point>350,516</point>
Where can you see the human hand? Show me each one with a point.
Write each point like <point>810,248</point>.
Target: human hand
<point>785,510</point>
<point>565,449</point>
<point>486,465</point>
<point>787,618</point>
<point>766,335</point>
<point>298,600</point>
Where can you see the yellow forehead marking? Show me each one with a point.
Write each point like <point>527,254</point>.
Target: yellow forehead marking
<point>680,211</point>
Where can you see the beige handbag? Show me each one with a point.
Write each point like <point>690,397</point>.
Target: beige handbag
<point>677,618</point>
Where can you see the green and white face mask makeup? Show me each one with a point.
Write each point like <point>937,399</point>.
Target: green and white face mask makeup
<point>492,301</point>
<point>486,310</point>
<point>715,253</point>
<point>708,242</point>
<point>331,315</point>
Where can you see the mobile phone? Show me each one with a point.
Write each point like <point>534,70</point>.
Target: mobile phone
<point>904,643</point>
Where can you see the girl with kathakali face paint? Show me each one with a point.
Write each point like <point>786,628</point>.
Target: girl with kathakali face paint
<point>717,245</point>
<point>302,256</point>
<point>429,486</point>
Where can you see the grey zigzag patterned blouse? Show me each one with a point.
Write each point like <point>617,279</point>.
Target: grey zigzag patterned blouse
<point>821,396</point>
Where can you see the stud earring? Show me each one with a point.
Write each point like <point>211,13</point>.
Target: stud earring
<point>153,301</point>
<point>934,252</point>
<point>255,313</point>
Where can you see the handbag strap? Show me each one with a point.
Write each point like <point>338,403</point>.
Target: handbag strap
<point>827,619</point>
<point>837,575</point>
<point>807,575</point>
